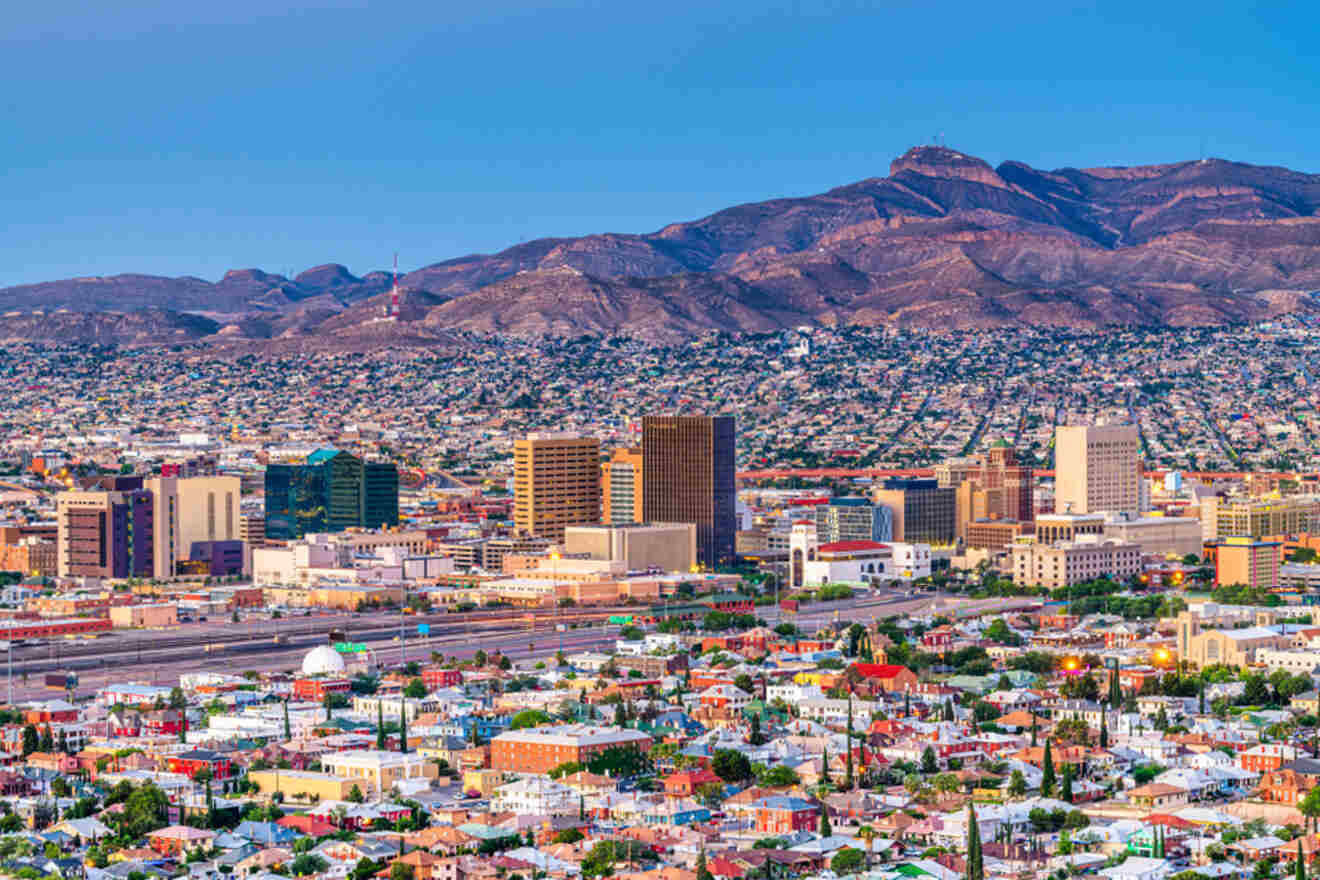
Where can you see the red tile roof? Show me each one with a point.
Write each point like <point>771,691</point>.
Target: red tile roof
<point>850,546</point>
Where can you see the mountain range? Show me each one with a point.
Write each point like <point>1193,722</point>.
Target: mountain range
<point>944,241</point>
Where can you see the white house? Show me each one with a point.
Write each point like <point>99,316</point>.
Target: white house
<point>535,796</point>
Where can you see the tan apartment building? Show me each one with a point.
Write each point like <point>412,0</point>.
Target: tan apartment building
<point>1240,560</point>
<point>1071,562</point>
<point>556,483</point>
<point>382,770</point>
<point>104,533</point>
<point>1257,517</point>
<point>621,486</point>
<point>1097,468</point>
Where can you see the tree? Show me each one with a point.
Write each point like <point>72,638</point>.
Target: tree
<point>1033,728</point>
<point>946,782</point>
<point>755,736</point>
<point>848,743</point>
<point>479,658</point>
<point>569,835</point>
<point>975,866</point>
<point>779,776</point>
<point>731,766</point>
<point>1301,862</point>
<point>1310,807</point>
<point>380,725</point>
<point>308,863</point>
<point>64,741</point>
<point>403,728</point>
<point>401,871</point>
<point>415,690</point>
<point>355,795</point>
<point>31,739</point>
<point>529,718</point>
<point>848,861</point>
<point>929,765</point>
<point>1017,784</point>
<point>703,872</point>
<point>146,810</point>
<point>1047,773</point>
<point>1066,792</point>
<point>288,732</point>
<point>824,829</point>
<point>1104,731</point>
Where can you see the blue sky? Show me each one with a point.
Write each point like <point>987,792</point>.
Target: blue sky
<point>188,138</point>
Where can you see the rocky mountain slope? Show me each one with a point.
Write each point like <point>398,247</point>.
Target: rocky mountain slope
<point>945,241</point>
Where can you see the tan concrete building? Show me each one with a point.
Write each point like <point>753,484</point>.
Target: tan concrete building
<point>1240,560</point>
<point>139,616</point>
<point>1071,562</point>
<point>621,486</point>
<point>382,770</point>
<point>189,510</point>
<point>666,546</point>
<point>304,785</point>
<point>1257,517</point>
<point>1097,468</point>
<point>1157,535</point>
<point>1054,527</point>
<point>104,533</point>
<point>556,483</point>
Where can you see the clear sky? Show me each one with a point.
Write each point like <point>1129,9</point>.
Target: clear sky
<point>188,138</point>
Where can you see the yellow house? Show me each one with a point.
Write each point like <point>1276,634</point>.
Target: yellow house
<point>484,781</point>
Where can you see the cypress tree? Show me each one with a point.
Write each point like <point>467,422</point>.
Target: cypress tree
<point>326,702</point>
<point>380,724</point>
<point>288,733</point>
<point>403,729</point>
<point>582,808</point>
<point>907,704</point>
<point>1047,773</point>
<point>1301,863</point>
<point>1104,731</point>
<point>1201,708</point>
<point>848,765</point>
<point>1066,792</point>
<point>1033,728</point>
<point>703,873</point>
<point>824,829</point>
<point>975,866</point>
<point>825,765</point>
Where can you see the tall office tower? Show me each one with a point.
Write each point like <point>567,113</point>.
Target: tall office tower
<point>1097,468</point>
<point>331,492</point>
<point>621,487</point>
<point>853,519</point>
<point>556,483</point>
<point>380,494</point>
<point>688,476</point>
<point>104,533</point>
<point>997,488</point>
<point>923,512</point>
<point>192,511</point>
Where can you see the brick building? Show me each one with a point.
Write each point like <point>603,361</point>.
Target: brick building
<point>539,749</point>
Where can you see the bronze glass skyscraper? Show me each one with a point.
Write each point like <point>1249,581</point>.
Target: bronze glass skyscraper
<point>688,477</point>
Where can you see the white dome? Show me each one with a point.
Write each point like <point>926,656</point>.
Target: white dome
<point>323,660</point>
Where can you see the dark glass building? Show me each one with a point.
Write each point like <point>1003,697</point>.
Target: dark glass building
<point>688,477</point>
<point>922,512</point>
<point>332,492</point>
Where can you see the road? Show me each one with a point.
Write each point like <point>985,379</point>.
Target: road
<point>160,657</point>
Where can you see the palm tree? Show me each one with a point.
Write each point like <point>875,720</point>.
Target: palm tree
<point>869,834</point>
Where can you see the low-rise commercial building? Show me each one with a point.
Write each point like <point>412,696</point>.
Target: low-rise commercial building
<point>1070,562</point>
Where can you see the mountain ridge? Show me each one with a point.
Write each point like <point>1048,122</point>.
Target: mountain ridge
<point>945,241</point>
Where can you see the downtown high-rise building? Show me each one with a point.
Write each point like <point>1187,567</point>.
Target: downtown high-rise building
<point>621,487</point>
<point>556,483</point>
<point>688,477</point>
<point>332,491</point>
<point>1097,468</point>
<point>106,532</point>
<point>996,487</point>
